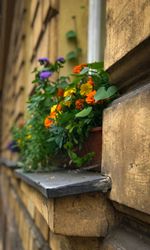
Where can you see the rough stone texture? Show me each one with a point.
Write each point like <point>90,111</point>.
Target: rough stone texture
<point>9,236</point>
<point>17,221</point>
<point>132,212</point>
<point>123,33</point>
<point>78,215</point>
<point>44,206</point>
<point>85,215</point>
<point>126,149</point>
<point>1,224</point>
<point>41,224</point>
<point>133,70</point>
<point>59,242</point>
<point>126,239</point>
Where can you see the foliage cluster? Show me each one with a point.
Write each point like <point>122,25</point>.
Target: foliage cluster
<point>61,112</point>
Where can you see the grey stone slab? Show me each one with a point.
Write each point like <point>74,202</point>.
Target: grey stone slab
<point>8,163</point>
<point>58,184</point>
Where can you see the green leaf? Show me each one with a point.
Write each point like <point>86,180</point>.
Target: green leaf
<point>71,35</point>
<point>67,98</point>
<point>35,81</point>
<point>43,68</point>
<point>79,50</point>
<point>77,79</point>
<point>84,112</point>
<point>101,94</point>
<point>62,85</point>
<point>34,70</point>
<point>52,90</point>
<point>66,117</point>
<point>72,55</point>
<point>112,90</point>
<point>84,71</point>
<point>48,102</point>
<point>51,139</point>
<point>96,65</point>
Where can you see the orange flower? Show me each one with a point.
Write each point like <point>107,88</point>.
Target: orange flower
<point>49,120</point>
<point>56,107</point>
<point>83,65</point>
<point>21,123</point>
<point>59,107</point>
<point>78,68</point>
<point>53,115</point>
<point>90,81</point>
<point>79,104</point>
<point>90,97</point>
<point>60,92</point>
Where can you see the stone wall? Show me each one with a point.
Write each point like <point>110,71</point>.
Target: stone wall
<point>127,26</point>
<point>120,218</point>
<point>127,43</point>
<point>33,219</point>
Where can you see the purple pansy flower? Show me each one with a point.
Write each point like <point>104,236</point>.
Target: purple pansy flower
<point>44,60</point>
<point>13,147</point>
<point>45,74</point>
<point>60,59</point>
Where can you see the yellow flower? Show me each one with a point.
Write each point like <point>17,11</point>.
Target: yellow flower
<point>86,88</point>
<point>53,108</point>
<point>67,103</point>
<point>29,137</point>
<point>56,108</point>
<point>69,92</point>
<point>19,141</point>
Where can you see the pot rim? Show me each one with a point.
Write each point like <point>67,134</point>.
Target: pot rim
<point>96,129</point>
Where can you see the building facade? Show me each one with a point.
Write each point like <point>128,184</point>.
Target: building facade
<point>120,218</point>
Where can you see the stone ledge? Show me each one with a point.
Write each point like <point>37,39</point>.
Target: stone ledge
<point>82,215</point>
<point>8,163</point>
<point>59,184</point>
<point>125,72</point>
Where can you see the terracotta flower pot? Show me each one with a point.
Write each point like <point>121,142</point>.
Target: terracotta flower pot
<point>93,144</point>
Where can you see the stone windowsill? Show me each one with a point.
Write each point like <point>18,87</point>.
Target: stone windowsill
<point>62,183</point>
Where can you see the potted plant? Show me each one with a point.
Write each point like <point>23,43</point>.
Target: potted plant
<point>63,113</point>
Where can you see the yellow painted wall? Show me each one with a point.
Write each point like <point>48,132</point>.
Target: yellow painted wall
<point>38,30</point>
<point>67,9</point>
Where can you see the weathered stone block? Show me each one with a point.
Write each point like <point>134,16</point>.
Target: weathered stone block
<point>126,239</point>
<point>76,215</point>
<point>40,202</point>
<point>83,215</point>
<point>59,242</point>
<point>127,26</point>
<point>41,224</point>
<point>126,149</point>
